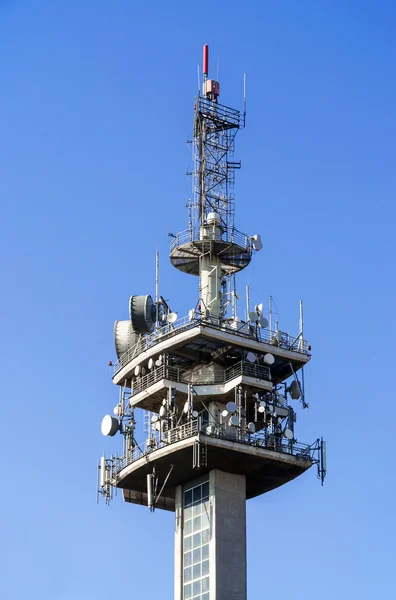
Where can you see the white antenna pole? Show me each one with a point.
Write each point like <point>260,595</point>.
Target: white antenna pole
<point>247,303</point>
<point>244,98</point>
<point>199,81</point>
<point>270,313</point>
<point>156,286</point>
<point>301,326</point>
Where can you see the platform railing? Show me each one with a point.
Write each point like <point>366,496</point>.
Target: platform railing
<point>176,375</point>
<point>239,328</point>
<point>194,234</point>
<point>193,428</point>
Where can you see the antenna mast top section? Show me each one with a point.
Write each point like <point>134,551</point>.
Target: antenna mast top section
<point>212,208</point>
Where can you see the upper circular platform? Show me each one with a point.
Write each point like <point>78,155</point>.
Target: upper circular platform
<point>232,247</point>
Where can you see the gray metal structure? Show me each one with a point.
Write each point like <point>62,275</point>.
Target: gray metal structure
<point>218,392</point>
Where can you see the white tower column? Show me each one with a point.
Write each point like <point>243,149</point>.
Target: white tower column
<point>210,284</point>
<point>210,538</point>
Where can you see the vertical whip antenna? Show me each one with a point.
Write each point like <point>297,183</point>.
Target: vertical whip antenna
<point>205,60</point>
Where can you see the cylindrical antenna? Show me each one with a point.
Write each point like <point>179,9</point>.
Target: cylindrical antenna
<point>247,303</point>
<point>205,60</point>
<point>301,342</point>
<point>270,313</point>
<point>150,491</point>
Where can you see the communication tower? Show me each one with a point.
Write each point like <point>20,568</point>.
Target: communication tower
<point>218,392</point>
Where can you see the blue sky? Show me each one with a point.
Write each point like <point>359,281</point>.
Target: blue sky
<point>95,108</point>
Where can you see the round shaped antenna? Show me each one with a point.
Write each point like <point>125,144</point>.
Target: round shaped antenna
<point>117,410</point>
<point>162,412</point>
<point>151,363</point>
<point>294,389</point>
<point>250,357</point>
<point>263,322</point>
<point>263,404</point>
<point>191,314</point>
<point>224,413</point>
<point>269,359</point>
<point>251,428</point>
<point>253,316</point>
<point>124,337</point>
<point>261,409</point>
<point>234,420</point>
<point>172,317</point>
<point>142,313</point>
<point>186,407</point>
<point>231,407</point>
<point>158,362</point>
<point>110,425</point>
<point>154,418</point>
<point>137,370</point>
<point>195,414</point>
<point>288,434</point>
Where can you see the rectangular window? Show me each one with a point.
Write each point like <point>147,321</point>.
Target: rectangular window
<point>196,534</point>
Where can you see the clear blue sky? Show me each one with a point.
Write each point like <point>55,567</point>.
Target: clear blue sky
<point>95,107</point>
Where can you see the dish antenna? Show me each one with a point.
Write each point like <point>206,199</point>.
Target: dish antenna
<point>151,363</point>
<point>137,370</point>
<point>117,410</point>
<point>224,413</point>
<point>253,316</point>
<point>191,314</point>
<point>257,243</point>
<point>124,337</point>
<point>288,434</point>
<point>251,428</point>
<point>263,322</point>
<point>269,359</point>
<point>110,425</point>
<point>261,409</point>
<point>231,407</point>
<point>186,407</point>
<point>195,414</point>
<point>259,309</point>
<point>158,362</point>
<point>172,317</point>
<point>250,357</point>
<point>162,412</point>
<point>234,420</point>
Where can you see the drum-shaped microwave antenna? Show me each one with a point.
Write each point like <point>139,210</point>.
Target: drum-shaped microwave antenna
<point>172,317</point>
<point>110,425</point>
<point>257,243</point>
<point>142,313</point>
<point>124,337</point>
<point>234,421</point>
<point>231,407</point>
<point>253,316</point>
<point>151,363</point>
<point>263,322</point>
<point>251,427</point>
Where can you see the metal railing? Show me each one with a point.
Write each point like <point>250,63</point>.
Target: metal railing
<point>180,375</point>
<point>194,234</point>
<point>276,338</point>
<point>219,111</point>
<point>192,428</point>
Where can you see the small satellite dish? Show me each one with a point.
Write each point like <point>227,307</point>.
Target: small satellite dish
<point>158,362</point>
<point>151,363</point>
<point>164,402</point>
<point>294,389</point>
<point>172,317</point>
<point>195,414</point>
<point>250,357</point>
<point>186,407</point>
<point>288,434</point>
<point>231,407</point>
<point>251,427</point>
<point>263,322</point>
<point>162,412</point>
<point>157,425</point>
<point>234,420</point>
<point>275,414</point>
<point>253,316</point>
<point>269,359</point>
<point>137,370</point>
<point>191,314</point>
<point>257,243</point>
<point>117,410</point>
<point>270,408</point>
<point>261,409</point>
<point>263,404</point>
<point>224,413</point>
<point>109,426</point>
<point>279,420</point>
<point>154,418</point>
